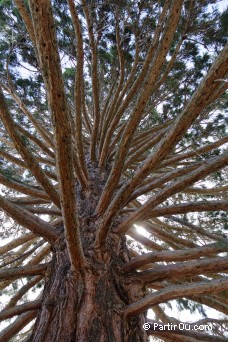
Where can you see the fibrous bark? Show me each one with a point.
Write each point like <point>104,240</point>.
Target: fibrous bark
<point>87,305</point>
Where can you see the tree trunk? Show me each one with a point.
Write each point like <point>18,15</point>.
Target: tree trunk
<point>88,305</point>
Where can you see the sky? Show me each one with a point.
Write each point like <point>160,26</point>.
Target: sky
<point>223,5</point>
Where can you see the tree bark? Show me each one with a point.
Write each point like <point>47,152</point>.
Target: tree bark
<point>88,305</point>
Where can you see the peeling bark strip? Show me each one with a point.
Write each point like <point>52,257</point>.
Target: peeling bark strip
<point>48,56</point>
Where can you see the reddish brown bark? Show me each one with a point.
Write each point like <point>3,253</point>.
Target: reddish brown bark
<point>88,305</point>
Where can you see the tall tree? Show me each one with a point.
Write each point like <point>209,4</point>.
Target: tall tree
<point>112,117</point>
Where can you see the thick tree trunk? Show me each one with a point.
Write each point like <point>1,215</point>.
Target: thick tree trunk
<point>88,305</point>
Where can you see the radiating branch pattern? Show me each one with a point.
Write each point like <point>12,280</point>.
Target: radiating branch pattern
<point>113,167</point>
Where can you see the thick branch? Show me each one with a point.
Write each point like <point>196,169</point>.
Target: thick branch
<point>79,86</point>
<point>210,166</point>
<point>18,310</point>
<point>13,301</point>
<point>95,81</point>
<point>17,325</point>
<point>39,128</point>
<point>23,188</point>
<point>189,207</point>
<point>209,191</point>
<point>24,271</point>
<point>177,255</point>
<point>27,200</point>
<point>184,269</point>
<point>200,100</point>
<point>26,17</point>
<point>24,151</point>
<point>42,210</point>
<point>16,242</point>
<point>178,291</point>
<point>138,110</point>
<point>47,48</point>
<point>29,221</point>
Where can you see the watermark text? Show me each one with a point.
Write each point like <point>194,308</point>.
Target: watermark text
<point>180,326</point>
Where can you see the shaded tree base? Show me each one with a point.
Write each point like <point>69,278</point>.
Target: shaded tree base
<point>88,305</point>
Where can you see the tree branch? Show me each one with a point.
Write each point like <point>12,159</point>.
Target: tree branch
<point>29,221</point>
<point>193,227</point>
<point>24,271</point>
<point>211,302</point>
<point>184,269</point>
<point>212,165</point>
<point>27,20</point>
<point>155,182</point>
<point>23,188</point>
<point>17,325</point>
<point>38,126</point>
<point>189,207</point>
<point>195,152</point>
<point>18,310</point>
<point>200,100</point>
<point>95,82</point>
<point>135,118</point>
<point>178,291</point>
<point>26,154</point>
<point>177,255</point>
<point>16,242</point>
<point>23,290</point>
<point>119,107</point>
<point>79,86</point>
<point>47,47</point>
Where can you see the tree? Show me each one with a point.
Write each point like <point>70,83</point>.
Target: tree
<point>113,116</point>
